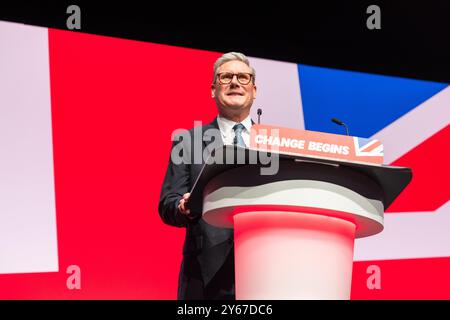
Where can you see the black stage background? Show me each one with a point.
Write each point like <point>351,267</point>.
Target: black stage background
<point>414,39</point>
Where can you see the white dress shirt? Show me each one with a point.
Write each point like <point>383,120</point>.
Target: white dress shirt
<point>227,132</point>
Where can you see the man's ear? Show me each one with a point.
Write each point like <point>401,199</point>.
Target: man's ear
<point>213,91</point>
<point>254,92</point>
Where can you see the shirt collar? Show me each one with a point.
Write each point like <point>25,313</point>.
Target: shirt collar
<point>227,125</point>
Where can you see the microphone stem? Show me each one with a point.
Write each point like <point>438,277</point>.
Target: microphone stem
<point>346,129</point>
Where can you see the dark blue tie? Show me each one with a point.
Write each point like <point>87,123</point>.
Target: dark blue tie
<point>238,140</point>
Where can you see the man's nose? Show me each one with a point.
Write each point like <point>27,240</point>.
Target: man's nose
<point>234,81</point>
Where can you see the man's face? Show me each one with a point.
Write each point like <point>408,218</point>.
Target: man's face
<point>234,98</point>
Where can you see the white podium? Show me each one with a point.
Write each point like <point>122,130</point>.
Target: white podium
<point>294,231</point>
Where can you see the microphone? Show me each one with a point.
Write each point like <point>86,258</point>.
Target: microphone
<point>339,122</point>
<point>259,115</point>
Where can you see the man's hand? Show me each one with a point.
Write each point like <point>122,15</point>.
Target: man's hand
<point>182,205</point>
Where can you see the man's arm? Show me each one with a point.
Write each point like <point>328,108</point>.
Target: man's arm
<point>176,184</point>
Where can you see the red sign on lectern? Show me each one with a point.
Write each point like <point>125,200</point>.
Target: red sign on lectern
<point>316,144</point>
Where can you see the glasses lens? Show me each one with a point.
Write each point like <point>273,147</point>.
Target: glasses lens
<point>225,77</point>
<point>244,78</point>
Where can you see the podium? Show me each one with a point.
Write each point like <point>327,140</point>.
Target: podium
<point>294,230</point>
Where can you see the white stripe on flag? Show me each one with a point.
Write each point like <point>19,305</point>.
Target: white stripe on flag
<point>416,126</point>
<point>278,93</point>
<point>408,235</point>
<point>27,202</point>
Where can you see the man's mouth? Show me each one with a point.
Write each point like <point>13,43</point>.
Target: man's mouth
<point>234,94</point>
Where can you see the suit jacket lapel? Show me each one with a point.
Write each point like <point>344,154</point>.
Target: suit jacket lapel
<point>207,133</point>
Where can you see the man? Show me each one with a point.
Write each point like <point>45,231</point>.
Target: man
<point>207,270</point>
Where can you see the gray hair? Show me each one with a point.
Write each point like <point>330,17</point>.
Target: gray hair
<point>232,56</point>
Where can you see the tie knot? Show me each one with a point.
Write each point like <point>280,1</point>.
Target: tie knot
<point>238,127</point>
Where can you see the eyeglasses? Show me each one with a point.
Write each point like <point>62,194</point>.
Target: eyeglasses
<point>242,77</point>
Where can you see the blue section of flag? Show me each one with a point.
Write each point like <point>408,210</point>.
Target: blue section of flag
<point>365,102</point>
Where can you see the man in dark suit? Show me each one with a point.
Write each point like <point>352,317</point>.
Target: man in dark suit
<point>207,270</point>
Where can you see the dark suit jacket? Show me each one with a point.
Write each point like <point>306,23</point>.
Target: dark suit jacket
<point>206,248</point>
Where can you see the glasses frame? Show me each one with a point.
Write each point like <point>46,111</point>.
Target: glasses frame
<point>237,77</point>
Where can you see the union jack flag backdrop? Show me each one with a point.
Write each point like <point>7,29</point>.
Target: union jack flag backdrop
<point>367,147</point>
<point>85,127</point>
